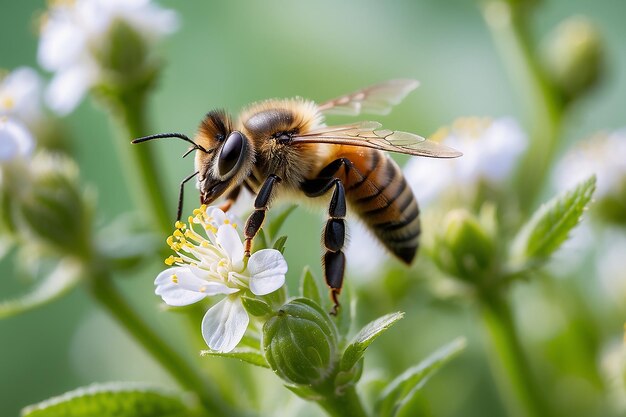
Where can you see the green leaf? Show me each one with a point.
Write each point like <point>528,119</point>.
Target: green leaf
<point>63,278</point>
<point>401,390</point>
<point>245,355</point>
<point>113,400</point>
<point>549,227</point>
<point>277,223</point>
<point>279,245</point>
<point>255,306</point>
<point>309,287</point>
<point>260,241</point>
<point>365,337</point>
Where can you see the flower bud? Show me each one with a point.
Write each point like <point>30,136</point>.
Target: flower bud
<point>54,209</point>
<point>300,343</point>
<point>465,249</point>
<point>124,56</point>
<point>573,56</point>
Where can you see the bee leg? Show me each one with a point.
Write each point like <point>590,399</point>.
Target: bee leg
<point>231,197</point>
<point>334,238</point>
<point>254,222</point>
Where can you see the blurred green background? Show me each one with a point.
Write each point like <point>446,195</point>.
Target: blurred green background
<point>228,54</point>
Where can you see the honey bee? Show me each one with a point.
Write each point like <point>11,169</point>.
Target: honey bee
<point>282,147</point>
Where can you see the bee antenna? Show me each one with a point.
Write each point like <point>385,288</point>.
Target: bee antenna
<point>171,135</point>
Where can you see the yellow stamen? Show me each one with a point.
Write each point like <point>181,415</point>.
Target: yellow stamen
<point>202,289</point>
<point>178,233</point>
<point>180,225</point>
<point>170,260</point>
<point>174,279</point>
<point>7,102</point>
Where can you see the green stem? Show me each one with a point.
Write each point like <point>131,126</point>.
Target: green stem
<point>544,109</point>
<point>146,183</point>
<point>348,404</point>
<point>103,290</point>
<point>508,362</point>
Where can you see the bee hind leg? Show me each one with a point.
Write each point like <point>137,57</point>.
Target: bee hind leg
<point>261,203</point>
<point>334,238</point>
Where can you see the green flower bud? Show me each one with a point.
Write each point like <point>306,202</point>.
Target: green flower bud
<point>573,56</point>
<point>53,209</point>
<point>465,249</point>
<point>125,60</point>
<point>300,343</point>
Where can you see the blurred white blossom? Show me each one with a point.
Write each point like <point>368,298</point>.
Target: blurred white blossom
<point>16,141</point>
<point>212,263</point>
<point>491,149</point>
<point>366,256</point>
<point>603,155</point>
<point>75,34</point>
<point>20,96</point>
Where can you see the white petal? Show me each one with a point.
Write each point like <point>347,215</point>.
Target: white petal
<point>267,269</point>
<point>62,41</point>
<point>224,324</point>
<point>180,287</point>
<point>229,240</point>
<point>15,140</point>
<point>67,88</point>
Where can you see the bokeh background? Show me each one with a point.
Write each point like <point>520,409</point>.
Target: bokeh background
<point>228,54</point>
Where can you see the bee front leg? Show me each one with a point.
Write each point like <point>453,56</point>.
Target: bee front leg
<point>255,220</point>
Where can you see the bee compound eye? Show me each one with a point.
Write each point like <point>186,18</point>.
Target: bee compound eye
<point>231,153</point>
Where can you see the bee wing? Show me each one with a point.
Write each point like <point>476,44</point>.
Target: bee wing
<point>370,135</point>
<point>375,99</point>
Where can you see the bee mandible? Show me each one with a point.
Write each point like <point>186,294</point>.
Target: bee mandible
<point>283,148</point>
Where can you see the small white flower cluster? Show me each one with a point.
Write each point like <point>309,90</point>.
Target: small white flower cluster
<point>74,33</point>
<point>491,149</point>
<point>210,261</point>
<point>19,110</point>
<point>603,155</point>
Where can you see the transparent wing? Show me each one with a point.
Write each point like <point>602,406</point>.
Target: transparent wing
<point>376,99</point>
<point>370,135</point>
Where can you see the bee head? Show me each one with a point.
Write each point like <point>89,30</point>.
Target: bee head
<point>227,157</point>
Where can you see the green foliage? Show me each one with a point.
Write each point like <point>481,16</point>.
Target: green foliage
<point>279,244</point>
<point>256,306</point>
<point>113,400</point>
<point>400,391</point>
<point>245,355</point>
<point>309,287</point>
<point>551,224</point>
<point>278,221</point>
<point>355,350</point>
<point>57,283</point>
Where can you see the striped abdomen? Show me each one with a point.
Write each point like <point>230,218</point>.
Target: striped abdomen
<point>377,191</point>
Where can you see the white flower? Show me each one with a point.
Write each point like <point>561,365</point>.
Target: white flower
<point>16,142</point>
<point>490,149</point>
<point>212,263</point>
<point>603,155</point>
<point>20,96</point>
<point>75,33</point>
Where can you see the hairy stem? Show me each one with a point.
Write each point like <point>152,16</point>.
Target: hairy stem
<point>508,362</point>
<point>141,169</point>
<point>347,404</point>
<point>544,109</point>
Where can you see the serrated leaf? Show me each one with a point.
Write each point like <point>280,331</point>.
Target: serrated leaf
<point>255,306</point>
<point>549,227</point>
<point>309,287</point>
<point>400,391</point>
<point>279,245</point>
<point>277,223</point>
<point>113,400</point>
<point>245,355</point>
<point>63,278</point>
<point>365,337</point>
